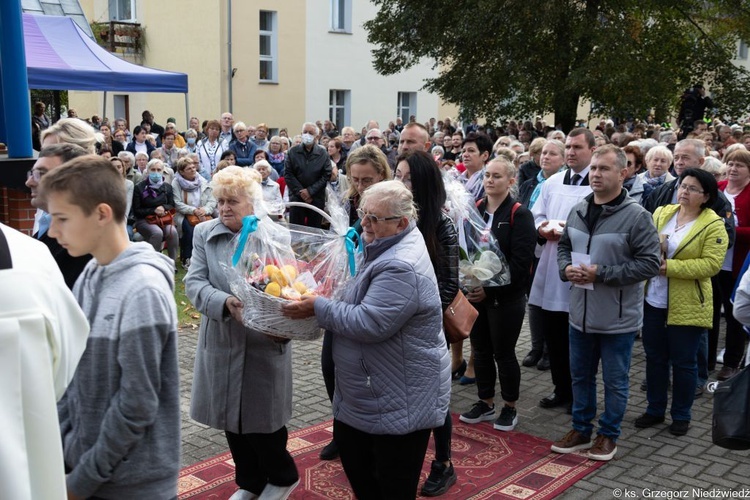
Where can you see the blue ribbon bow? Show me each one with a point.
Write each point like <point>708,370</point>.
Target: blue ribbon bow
<point>249,225</point>
<point>352,246</point>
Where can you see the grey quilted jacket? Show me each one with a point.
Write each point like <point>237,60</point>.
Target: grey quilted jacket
<point>392,362</point>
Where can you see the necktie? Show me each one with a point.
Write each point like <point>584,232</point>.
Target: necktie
<point>44,221</point>
<point>574,180</point>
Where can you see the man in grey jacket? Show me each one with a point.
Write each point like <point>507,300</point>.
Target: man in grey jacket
<point>609,247</point>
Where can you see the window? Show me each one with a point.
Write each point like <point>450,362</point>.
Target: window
<point>341,16</point>
<point>268,55</point>
<point>339,107</point>
<point>122,10</point>
<point>742,52</point>
<point>407,105</point>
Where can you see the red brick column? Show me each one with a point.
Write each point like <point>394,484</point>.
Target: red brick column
<point>16,210</point>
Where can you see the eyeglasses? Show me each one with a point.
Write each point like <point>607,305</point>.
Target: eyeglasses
<point>35,174</point>
<point>373,219</point>
<point>374,138</point>
<point>690,189</point>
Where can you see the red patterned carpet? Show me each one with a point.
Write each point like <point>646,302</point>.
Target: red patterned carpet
<point>489,464</point>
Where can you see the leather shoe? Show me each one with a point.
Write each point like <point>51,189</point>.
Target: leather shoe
<point>531,358</point>
<point>726,373</point>
<point>553,401</point>
<point>543,363</point>
<point>330,451</point>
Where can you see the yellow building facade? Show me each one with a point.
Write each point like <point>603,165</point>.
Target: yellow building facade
<point>292,61</point>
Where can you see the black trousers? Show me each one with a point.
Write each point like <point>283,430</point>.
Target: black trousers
<point>260,459</point>
<point>735,339</point>
<point>555,327</point>
<point>326,364</point>
<point>381,466</point>
<point>304,217</point>
<point>493,340</point>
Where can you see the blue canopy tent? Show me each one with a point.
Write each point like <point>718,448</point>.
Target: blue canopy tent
<point>61,56</point>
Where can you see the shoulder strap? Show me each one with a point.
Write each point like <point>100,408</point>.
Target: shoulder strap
<point>5,261</point>
<point>513,212</point>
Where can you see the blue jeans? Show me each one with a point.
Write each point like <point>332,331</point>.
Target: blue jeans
<point>703,359</point>
<point>614,350</point>
<point>665,344</point>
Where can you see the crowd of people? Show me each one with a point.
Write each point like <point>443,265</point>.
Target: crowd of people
<point>607,235</point>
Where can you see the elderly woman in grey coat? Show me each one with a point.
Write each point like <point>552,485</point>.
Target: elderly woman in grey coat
<point>243,378</point>
<point>392,363</point>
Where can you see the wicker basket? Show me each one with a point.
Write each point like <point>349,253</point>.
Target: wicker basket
<point>262,312</point>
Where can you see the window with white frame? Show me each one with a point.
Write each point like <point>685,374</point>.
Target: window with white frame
<point>407,105</point>
<point>122,10</point>
<point>268,46</point>
<point>339,107</point>
<point>742,51</point>
<point>341,16</point>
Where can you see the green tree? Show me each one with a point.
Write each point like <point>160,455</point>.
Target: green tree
<point>501,59</point>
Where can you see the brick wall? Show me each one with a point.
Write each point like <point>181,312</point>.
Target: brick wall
<point>16,210</point>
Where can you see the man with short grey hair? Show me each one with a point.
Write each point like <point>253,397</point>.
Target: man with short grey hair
<point>374,137</point>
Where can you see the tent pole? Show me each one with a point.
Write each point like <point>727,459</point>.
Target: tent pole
<point>187,112</point>
<point>104,106</point>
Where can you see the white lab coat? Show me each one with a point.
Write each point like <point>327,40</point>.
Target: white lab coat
<point>43,334</point>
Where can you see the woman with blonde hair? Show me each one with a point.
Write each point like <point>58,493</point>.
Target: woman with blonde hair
<point>658,159</point>
<point>365,166</point>
<point>243,378</point>
<point>71,131</point>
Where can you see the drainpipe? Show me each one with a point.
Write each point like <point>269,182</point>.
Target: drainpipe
<point>229,51</point>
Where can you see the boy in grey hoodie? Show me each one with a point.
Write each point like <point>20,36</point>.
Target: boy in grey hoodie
<point>120,417</point>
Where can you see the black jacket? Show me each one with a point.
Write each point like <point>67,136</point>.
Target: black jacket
<point>517,242</point>
<point>663,196</point>
<point>71,267</point>
<point>307,170</point>
<point>526,190</point>
<point>446,267</point>
<point>528,170</point>
<point>147,206</point>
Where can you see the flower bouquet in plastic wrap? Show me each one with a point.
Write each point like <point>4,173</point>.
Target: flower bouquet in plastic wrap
<point>482,263</point>
<point>274,262</point>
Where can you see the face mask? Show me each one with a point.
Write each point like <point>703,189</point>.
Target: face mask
<point>154,177</point>
<point>191,141</point>
<point>307,139</point>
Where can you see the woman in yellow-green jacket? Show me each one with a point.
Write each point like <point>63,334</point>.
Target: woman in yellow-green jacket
<point>679,304</point>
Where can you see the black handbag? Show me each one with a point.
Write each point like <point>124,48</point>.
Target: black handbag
<point>731,418</point>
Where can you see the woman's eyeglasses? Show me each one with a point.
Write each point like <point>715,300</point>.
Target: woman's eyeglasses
<point>373,219</point>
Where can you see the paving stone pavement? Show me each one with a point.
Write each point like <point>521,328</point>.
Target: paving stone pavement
<point>650,463</point>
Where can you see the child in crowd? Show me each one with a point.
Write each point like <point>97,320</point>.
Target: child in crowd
<point>120,417</point>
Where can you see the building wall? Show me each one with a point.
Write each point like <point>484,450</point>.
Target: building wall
<point>190,36</point>
<point>343,61</point>
<point>280,104</point>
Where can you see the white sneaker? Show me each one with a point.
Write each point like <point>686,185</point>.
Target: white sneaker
<point>273,492</point>
<point>720,357</point>
<point>243,495</point>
